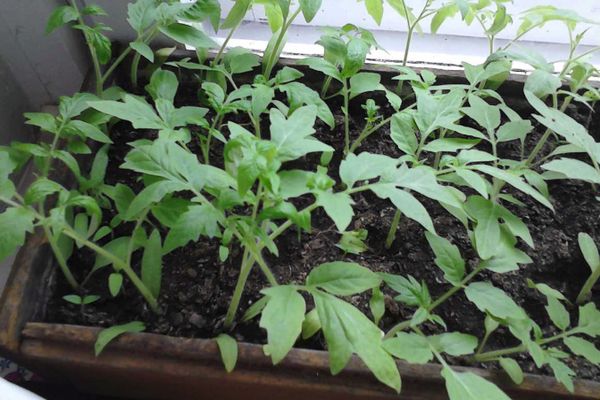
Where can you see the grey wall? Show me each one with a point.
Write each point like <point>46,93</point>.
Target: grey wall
<point>35,69</point>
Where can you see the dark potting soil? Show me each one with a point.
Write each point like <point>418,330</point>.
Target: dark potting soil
<point>197,287</point>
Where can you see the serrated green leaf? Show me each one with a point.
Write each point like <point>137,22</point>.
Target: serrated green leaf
<point>514,181</point>
<point>409,347</point>
<point>282,318</point>
<point>375,9</point>
<point>338,207</point>
<point>495,301</point>
<point>364,166</point>
<point>60,16</point>
<point>453,343</point>
<point>468,386</point>
<point>15,223</point>
<point>189,35</point>
<point>343,278</point>
<point>152,263</point>
<point>574,169</point>
<point>447,258</point>
<point>406,203</point>
<point>348,331</point>
<point>589,320</point>
<point>196,221</point>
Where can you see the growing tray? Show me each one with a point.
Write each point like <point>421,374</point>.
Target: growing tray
<point>152,366</point>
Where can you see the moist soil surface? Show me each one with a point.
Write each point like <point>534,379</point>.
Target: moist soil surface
<point>197,287</point>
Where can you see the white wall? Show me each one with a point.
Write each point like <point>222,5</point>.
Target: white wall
<point>454,43</point>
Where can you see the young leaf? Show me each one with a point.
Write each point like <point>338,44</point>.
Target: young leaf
<point>293,136</point>
<point>483,113</point>
<point>132,109</point>
<point>143,49</point>
<point>152,263</point>
<point>109,334</point>
<point>353,241</point>
<point>115,282</point>
<point>582,347</point>
<point>542,83</point>
<point>562,373</point>
<point>487,232</point>
<point>403,132</point>
<point>197,220</point>
<point>324,66</point>
<point>409,347</point>
<point>343,278</point>
<point>468,386</point>
<point>282,318</point>
<point>589,250</point>
<point>189,35</point>
<point>454,343</point>
<point>589,320</point>
<point>515,181</point>
<point>574,169</point>
<point>364,166</point>
<point>15,223</point>
<point>364,82</point>
<point>311,324</point>
<point>338,206</point>
<point>141,14</point>
<point>236,14</point>
<point>255,309</point>
<point>406,203</point>
<point>558,314</point>
<point>229,351</point>
<point>60,16</point>
<point>377,305</point>
<point>310,8</point>
<point>348,331</point>
<point>447,258</point>
<point>163,85</point>
<point>375,9</point>
<point>495,301</point>
<point>512,368</point>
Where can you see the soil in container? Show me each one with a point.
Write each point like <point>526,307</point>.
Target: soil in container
<point>197,287</point>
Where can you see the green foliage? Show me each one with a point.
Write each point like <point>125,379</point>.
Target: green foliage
<point>109,334</point>
<point>245,189</point>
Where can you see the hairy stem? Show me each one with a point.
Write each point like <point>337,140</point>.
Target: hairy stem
<point>495,354</point>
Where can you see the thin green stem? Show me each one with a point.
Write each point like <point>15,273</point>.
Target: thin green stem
<point>495,354</point>
<point>272,57</point>
<point>239,289</point>
<point>224,45</point>
<point>391,236</point>
<point>119,264</point>
<point>62,263</point>
<point>587,287</point>
<point>540,144</point>
<point>449,293</point>
<point>346,117</point>
<point>368,131</point>
<point>92,50</point>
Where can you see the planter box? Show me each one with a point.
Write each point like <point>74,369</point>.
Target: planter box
<point>152,366</point>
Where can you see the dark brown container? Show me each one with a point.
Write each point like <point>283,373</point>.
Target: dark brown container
<point>151,366</point>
